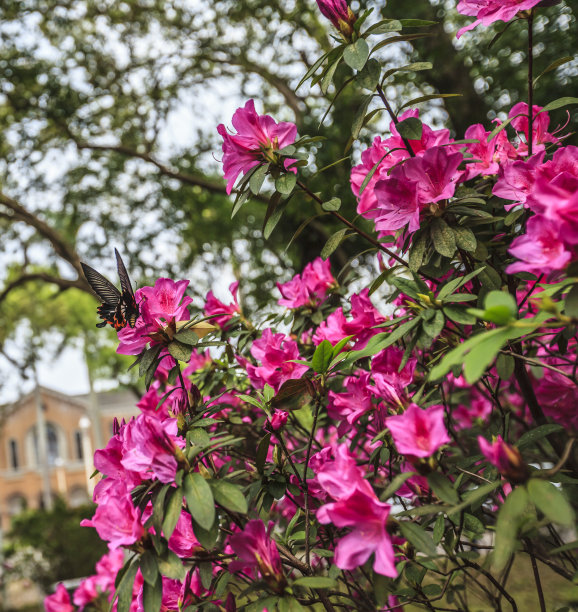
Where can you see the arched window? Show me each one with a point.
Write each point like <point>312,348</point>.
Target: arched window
<point>16,504</point>
<point>13,454</point>
<point>53,444</point>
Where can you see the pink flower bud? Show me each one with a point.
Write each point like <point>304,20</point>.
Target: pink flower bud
<point>278,420</point>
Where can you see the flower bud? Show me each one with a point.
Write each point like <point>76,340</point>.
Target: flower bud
<point>340,15</point>
<point>278,420</point>
<point>506,458</point>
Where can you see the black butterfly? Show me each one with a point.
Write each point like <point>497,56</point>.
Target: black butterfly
<point>118,309</point>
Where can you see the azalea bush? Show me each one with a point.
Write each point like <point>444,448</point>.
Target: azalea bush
<point>398,444</point>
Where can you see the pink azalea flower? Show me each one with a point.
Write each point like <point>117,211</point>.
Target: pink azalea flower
<point>257,137</point>
<point>351,406</point>
<point>558,397</point>
<point>367,517</point>
<point>557,200</point>
<point>517,178</point>
<point>256,549</point>
<point>417,432</point>
<point>183,541</point>
<point>390,383</point>
<point>59,601</point>
<point>340,15</point>
<point>412,185</point>
<point>160,306</point>
<point>149,448</point>
<point>86,592</point>
<point>540,123</point>
<point>332,329</point>
<point>116,520</point>
<point>107,569</point>
<point>491,154</point>
<point>278,420</point>
<point>478,409</point>
<point>276,353</point>
<point>338,476</point>
<point>309,288</point>
<point>490,11</point>
<point>388,153</point>
<point>213,306</point>
<point>505,458</point>
<point>540,250</point>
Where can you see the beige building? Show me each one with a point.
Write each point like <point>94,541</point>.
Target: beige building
<point>34,469</point>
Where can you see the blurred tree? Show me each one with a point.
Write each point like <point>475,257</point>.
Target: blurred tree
<point>68,550</point>
<point>108,113</point>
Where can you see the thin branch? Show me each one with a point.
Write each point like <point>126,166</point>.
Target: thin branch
<point>63,283</point>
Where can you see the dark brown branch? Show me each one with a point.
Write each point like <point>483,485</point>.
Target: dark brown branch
<point>63,283</point>
<point>61,247</point>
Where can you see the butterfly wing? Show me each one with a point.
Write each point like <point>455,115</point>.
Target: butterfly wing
<point>105,290</point>
<point>125,283</point>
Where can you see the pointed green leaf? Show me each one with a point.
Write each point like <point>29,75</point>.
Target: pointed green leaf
<point>229,496</point>
<point>551,501</point>
<point>199,499</point>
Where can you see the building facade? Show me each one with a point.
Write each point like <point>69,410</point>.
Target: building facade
<point>74,427</point>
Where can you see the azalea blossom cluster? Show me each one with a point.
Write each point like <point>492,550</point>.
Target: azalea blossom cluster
<point>331,451</point>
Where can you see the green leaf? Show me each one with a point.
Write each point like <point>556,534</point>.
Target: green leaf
<point>559,103</point>
<point>443,238</point>
<point>257,178</point>
<point>426,99</point>
<point>171,566</point>
<point>406,286</point>
<point>417,23</point>
<point>329,73</point>
<point>149,567</point>
<point>172,512</point>
<point>559,62</point>
<point>332,243</point>
<point>443,488</point>
<point>286,183</point>
<point>507,526</point>
<point>439,529</point>
<point>414,67</point>
<point>368,78</point>
<point>313,69</point>
<point>322,357</point>
<point>179,350</point>
<point>550,501</point>
<point>199,499</point>
<point>465,238</point>
<point>359,118</point>
<point>152,596</point>
<point>379,342</point>
<point>418,536</point>
<point>339,346</point>
<point>207,538</point>
<point>501,298</point>
<point>410,128</point>
<point>355,55</point>
<point>459,315</point>
<point>384,26</point>
<point>125,586</point>
<point>262,450</point>
<point>500,127</point>
<point>187,336</point>
<point>331,205</point>
<point>505,366</point>
<point>315,582</point>
<point>229,495</point>
<point>417,251</point>
<point>482,355</point>
<point>434,326</point>
<point>475,495</point>
<point>395,484</point>
<point>148,358</point>
<point>456,283</point>
<point>571,302</point>
<point>274,218</point>
<point>528,438</point>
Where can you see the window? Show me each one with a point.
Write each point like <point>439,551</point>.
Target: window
<point>13,450</point>
<point>53,450</point>
<point>78,444</point>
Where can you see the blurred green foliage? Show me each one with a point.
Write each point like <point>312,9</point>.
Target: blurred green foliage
<point>70,550</point>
